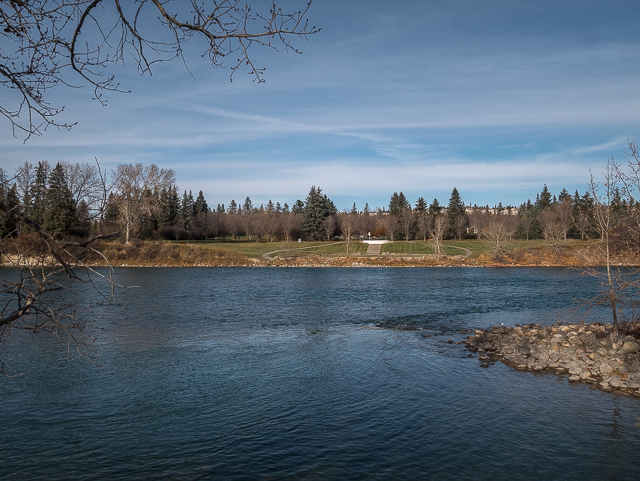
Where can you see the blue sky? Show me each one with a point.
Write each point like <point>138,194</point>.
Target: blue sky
<point>495,98</point>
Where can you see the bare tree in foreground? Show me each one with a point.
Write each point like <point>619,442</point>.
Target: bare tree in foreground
<point>38,294</point>
<point>49,43</point>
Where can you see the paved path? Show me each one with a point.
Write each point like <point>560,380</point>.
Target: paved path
<point>467,251</point>
<point>374,249</point>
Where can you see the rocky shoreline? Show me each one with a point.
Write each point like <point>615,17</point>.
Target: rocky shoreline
<point>601,355</point>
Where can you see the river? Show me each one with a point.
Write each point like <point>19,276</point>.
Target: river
<point>304,373</point>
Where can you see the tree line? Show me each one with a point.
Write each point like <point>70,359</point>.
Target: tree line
<point>144,201</point>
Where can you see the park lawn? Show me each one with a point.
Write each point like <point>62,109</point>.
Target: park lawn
<point>337,248</point>
<point>257,249</point>
<point>418,248</point>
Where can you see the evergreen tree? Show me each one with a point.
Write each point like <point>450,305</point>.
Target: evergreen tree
<point>564,194</point>
<point>421,205</point>
<point>233,207</point>
<point>397,203</point>
<point>248,206</point>
<point>285,209</point>
<point>169,207</point>
<point>187,209</point>
<point>278,207</point>
<point>9,223</point>
<point>435,207</point>
<point>317,208</point>
<point>298,207</point>
<point>111,211</point>
<point>220,209</point>
<point>366,210</point>
<point>456,212</point>
<point>200,204</point>
<point>35,199</point>
<point>271,208</point>
<point>543,200</point>
<point>60,211</point>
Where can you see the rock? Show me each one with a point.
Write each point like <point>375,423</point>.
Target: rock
<point>630,347</point>
<point>575,371</point>
<point>574,378</point>
<point>614,381</point>
<point>632,384</point>
<point>605,369</point>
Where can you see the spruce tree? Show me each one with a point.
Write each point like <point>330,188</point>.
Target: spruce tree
<point>456,211</point>
<point>200,204</point>
<point>187,209</point>
<point>298,207</point>
<point>248,206</point>
<point>317,208</point>
<point>9,223</point>
<point>60,211</point>
<point>35,199</point>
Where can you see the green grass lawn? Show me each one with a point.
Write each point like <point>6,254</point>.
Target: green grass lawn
<point>338,248</point>
<point>257,249</point>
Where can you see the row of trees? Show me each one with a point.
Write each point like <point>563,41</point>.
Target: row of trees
<point>145,202</point>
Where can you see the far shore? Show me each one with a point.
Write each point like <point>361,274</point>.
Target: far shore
<point>251,253</point>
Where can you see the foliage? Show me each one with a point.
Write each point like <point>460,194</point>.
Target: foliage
<point>317,208</point>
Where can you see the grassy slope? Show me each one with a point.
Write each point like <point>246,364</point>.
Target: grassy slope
<point>536,252</point>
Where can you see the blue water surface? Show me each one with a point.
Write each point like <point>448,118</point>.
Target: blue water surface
<point>309,373</point>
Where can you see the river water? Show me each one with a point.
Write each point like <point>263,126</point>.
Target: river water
<point>311,374</point>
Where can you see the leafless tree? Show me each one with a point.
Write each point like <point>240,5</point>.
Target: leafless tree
<point>390,224</point>
<point>478,220</point>
<point>347,224</point>
<point>461,224</point>
<point>603,195</point>
<point>511,225</point>
<point>552,227</point>
<point>36,294</point>
<point>48,43</point>
<point>564,210</point>
<point>422,221</point>
<point>407,220</point>
<point>133,184</point>
<point>526,221</point>
<point>582,220</point>
<point>329,226</point>
<point>495,230</point>
<point>437,228</point>
<point>290,223</point>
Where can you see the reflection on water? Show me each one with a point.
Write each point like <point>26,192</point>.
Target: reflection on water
<point>311,373</point>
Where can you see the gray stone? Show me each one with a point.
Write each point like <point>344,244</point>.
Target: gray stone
<point>574,378</point>
<point>614,381</point>
<point>574,370</point>
<point>630,347</point>
<point>605,369</point>
<point>632,384</point>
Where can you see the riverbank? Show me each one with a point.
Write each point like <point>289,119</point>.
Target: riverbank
<point>326,254</point>
<point>602,355</point>
<point>243,254</point>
